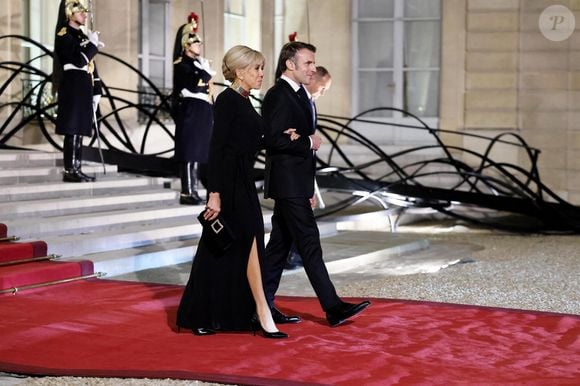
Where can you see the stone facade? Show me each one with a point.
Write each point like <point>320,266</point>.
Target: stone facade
<point>501,74</point>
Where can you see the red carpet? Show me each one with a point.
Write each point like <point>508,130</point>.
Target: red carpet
<point>124,329</point>
<point>35,272</point>
<point>10,251</point>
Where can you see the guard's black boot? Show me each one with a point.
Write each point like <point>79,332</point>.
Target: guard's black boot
<point>189,185</point>
<point>78,146</point>
<point>71,174</point>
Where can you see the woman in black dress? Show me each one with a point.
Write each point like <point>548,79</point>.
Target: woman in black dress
<point>224,291</point>
<point>192,113</point>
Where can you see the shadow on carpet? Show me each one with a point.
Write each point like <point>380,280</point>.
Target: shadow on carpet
<point>108,328</point>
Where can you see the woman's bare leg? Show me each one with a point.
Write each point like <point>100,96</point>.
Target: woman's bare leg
<point>255,280</point>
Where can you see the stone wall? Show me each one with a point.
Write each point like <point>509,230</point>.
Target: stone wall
<point>501,74</point>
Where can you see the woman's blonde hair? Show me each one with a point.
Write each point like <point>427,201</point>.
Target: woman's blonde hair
<point>237,58</point>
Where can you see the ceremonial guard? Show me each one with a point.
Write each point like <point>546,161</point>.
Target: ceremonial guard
<point>192,111</point>
<point>77,85</point>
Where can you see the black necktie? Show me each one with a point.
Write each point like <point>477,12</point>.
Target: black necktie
<point>302,92</point>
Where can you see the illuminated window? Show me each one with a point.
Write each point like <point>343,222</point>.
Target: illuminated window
<point>396,54</point>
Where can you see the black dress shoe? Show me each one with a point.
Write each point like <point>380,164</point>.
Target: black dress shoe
<point>190,199</point>
<point>72,176</point>
<point>87,177</point>
<point>201,331</point>
<point>280,318</point>
<point>339,314</point>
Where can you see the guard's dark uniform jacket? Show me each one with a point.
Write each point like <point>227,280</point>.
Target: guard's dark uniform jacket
<point>193,113</point>
<point>79,82</point>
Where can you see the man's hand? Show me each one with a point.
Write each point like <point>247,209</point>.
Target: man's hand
<point>316,141</point>
<point>293,134</point>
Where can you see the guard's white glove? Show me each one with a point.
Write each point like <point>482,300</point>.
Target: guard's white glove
<point>205,65</point>
<point>96,100</point>
<point>94,38</point>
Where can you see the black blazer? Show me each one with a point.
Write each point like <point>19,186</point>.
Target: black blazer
<point>290,165</point>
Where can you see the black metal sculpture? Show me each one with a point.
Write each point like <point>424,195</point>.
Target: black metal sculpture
<point>483,191</point>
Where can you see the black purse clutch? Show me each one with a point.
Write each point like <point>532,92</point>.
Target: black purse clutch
<point>217,232</point>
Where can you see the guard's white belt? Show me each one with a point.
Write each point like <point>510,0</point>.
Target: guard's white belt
<point>197,95</point>
<point>69,66</point>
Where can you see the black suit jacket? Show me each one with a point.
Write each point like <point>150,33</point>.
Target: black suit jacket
<point>290,165</point>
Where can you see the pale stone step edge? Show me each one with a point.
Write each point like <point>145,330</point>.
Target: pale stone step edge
<point>16,208</point>
<point>97,185</point>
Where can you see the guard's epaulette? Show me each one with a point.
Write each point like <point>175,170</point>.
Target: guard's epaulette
<point>62,31</point>
<point>178,60</point>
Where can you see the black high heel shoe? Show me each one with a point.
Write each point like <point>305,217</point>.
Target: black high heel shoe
<point>256,325</point>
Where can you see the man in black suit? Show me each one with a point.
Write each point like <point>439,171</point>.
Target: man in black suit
<point>289,180</point>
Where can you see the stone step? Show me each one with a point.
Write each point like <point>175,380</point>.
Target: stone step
<point>77,245</point>
<point>348,250</point>
<point>122,222</point>
<point>48,173</point>
<point>137,259</point>
<point>384,263</point>
<point>358,249</point>
<point>164,254</point>
<point>110,184</point>
<point>23,158</point>
<point>28,228</point>
<point>66,206</point>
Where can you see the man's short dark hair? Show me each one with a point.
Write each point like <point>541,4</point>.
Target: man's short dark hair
<point>321,72</point>
<point>289,51</point>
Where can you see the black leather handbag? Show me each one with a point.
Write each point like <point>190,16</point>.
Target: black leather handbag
<point>217,233</point>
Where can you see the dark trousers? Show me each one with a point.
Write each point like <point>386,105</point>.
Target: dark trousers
<point>293,222</point>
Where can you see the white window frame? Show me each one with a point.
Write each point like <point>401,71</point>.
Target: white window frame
<point>41,17</point>
<point>279,39</point>
<point>398,68</point>
<point>229,16</point>
<point>145,55</point>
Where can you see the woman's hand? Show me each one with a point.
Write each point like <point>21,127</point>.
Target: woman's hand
<point>213,206</point>
<point>292,133</point>
<point>314,202</point>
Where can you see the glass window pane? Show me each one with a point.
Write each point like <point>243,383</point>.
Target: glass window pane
<point>375,90</point>
<point>157,72</point>
<point>422,8</point>
<point>422,43</point>
<point>156,29</point>
<point>234,31</point>
<point>421,93</point>
<point>375,8</point>
<point>375,46</point>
